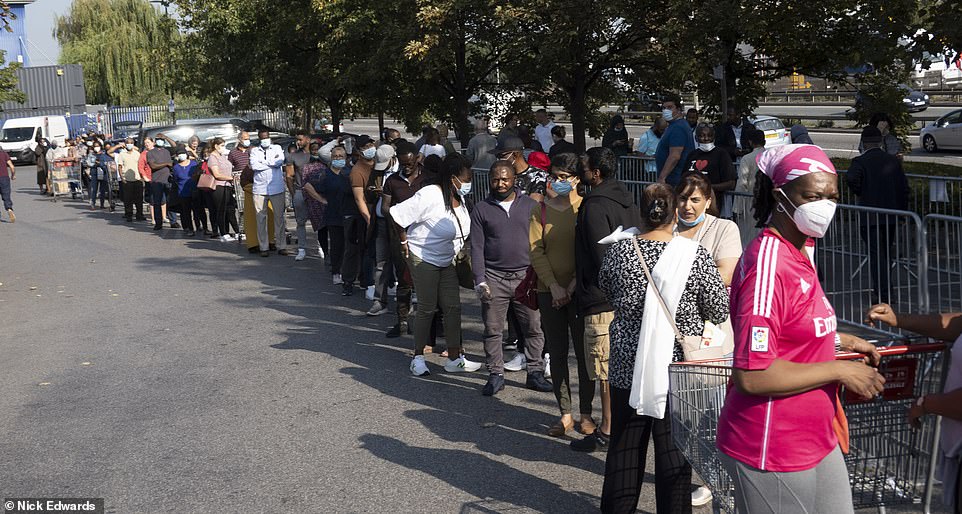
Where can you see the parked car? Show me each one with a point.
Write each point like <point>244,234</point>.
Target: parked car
<point>944,133</point>
<point>775,132</point>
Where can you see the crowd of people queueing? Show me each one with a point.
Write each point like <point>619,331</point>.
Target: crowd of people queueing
<point>564,257</point>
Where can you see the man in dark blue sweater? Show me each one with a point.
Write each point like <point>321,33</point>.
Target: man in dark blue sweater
<point>499,258</point>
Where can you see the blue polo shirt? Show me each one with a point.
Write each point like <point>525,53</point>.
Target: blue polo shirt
<point>678,133</point>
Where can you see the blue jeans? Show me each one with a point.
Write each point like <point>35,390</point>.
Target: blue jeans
<point>100,185</point>
<point>5,193</point>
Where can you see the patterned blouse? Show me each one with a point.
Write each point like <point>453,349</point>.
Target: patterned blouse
<point>624,283</point>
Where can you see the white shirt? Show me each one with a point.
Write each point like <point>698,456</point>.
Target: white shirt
<point>737,130</point>
<point>434,234</point>
<point>268,175</point>
<point>428,150</point>
<point>543,133</point>
<point>506,205</point>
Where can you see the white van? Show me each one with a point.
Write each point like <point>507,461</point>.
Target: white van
<point>19,135</point>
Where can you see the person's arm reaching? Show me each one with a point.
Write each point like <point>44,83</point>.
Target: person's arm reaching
<point>674,155</point>
<point>944,327</point>
<point>325,151</point>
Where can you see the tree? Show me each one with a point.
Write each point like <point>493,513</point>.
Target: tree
<point>122,45</point>
<point>582,61</point>
<point>759,42</point>
<point>458,45</point>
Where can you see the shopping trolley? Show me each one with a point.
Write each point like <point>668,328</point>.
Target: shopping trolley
<point>889,463</point>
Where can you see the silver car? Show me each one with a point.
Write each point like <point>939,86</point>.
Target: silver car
<point>944,133</point>
<point>775,132</point>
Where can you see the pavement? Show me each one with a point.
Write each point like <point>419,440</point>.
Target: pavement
<point>168,374</point>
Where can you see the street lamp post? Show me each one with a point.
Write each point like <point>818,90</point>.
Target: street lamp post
<point>170,80</point>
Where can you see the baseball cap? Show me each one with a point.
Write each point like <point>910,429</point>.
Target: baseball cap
<point>362,141</point>
<point>509,144</point>
<point>383,157</point>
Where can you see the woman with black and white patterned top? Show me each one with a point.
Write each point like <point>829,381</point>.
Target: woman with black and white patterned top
<point>702,297</point>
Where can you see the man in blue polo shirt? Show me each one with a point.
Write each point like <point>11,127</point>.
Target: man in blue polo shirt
<point>675,145</point>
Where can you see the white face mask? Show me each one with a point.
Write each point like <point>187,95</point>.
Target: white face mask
<point>245,142</point>
<point>706,147</point>
<point>812,218</point>
<point>668,114</point>
<point>182,157</point>
<point>223,150</point>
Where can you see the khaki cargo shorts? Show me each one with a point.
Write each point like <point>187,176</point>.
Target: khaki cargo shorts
<point>597,344</point>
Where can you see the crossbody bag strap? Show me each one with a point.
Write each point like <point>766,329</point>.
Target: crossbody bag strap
<point>661,299</point>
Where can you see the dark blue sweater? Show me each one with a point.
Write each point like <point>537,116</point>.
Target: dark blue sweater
<point>500,241</point>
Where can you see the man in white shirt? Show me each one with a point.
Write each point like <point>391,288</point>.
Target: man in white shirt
<point>543,130</point>
<point>267,161</point>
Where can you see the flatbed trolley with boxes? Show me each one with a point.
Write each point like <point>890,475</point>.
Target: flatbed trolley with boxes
<point>65,179</point>
<point>889,463</point>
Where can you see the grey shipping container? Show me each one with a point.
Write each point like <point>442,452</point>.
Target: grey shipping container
<point>50,90</point>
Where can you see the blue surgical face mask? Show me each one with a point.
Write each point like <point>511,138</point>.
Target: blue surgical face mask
<point>562,187</point>
<point>699,220</point>
<point>369,153</point>
<point>464,189</point>
<point>339,163</point>
<point>265,143</point>
<point>668,114</point>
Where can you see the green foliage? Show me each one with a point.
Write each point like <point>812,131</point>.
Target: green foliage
<point>9,85</point>
<point>123,46</point>
<point>880,92</point>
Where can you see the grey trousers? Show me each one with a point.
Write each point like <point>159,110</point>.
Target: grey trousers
<point>494,312</point>
<point>280,221</point>
<point>300,214</point>
<point>823,489</point>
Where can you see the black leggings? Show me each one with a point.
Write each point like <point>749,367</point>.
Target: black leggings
<point>335,237</point>
<point>625,465</point>
<point>226,213</point>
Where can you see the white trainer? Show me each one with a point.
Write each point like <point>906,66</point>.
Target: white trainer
<point>301,253</point>
<point>701,496</point>
<point>419,368</point>
<point>377,309</point>
<point>225,239</point>
<point>370,293</point>
<point>320,251</point>
<point>461,365</point>
<point>518,363</point>
<point>336,278</point>
<point>547,365</point>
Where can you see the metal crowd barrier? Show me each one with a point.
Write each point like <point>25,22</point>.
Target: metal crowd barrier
<point>871,255</point>
<point>944,253</point>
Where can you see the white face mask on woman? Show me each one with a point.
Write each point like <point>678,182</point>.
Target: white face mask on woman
<point>812,218</point>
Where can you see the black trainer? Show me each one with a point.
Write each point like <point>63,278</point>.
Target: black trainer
<point>347,290</point>
<point>537,382</point>
<point>495,384</point>
<point>397,330</point>
<point>596,442</point>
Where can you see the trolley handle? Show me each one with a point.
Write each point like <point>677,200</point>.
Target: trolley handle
<point>888,351</point>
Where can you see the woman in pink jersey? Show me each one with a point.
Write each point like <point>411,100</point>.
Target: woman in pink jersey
<point>775,430</point>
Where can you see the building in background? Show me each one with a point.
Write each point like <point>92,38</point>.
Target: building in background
<point>14,44</point>
<point>51,91</point>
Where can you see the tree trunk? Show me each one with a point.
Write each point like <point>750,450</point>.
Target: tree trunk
<point>380,120</point>
<point>308,124</point>
<point>335,104</point>
<point>577,108</point>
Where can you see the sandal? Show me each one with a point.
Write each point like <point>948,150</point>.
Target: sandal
<point>587,426</point>
<point>559,429</point>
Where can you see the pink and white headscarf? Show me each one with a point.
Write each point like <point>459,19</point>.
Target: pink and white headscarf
<point>786,163</point>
